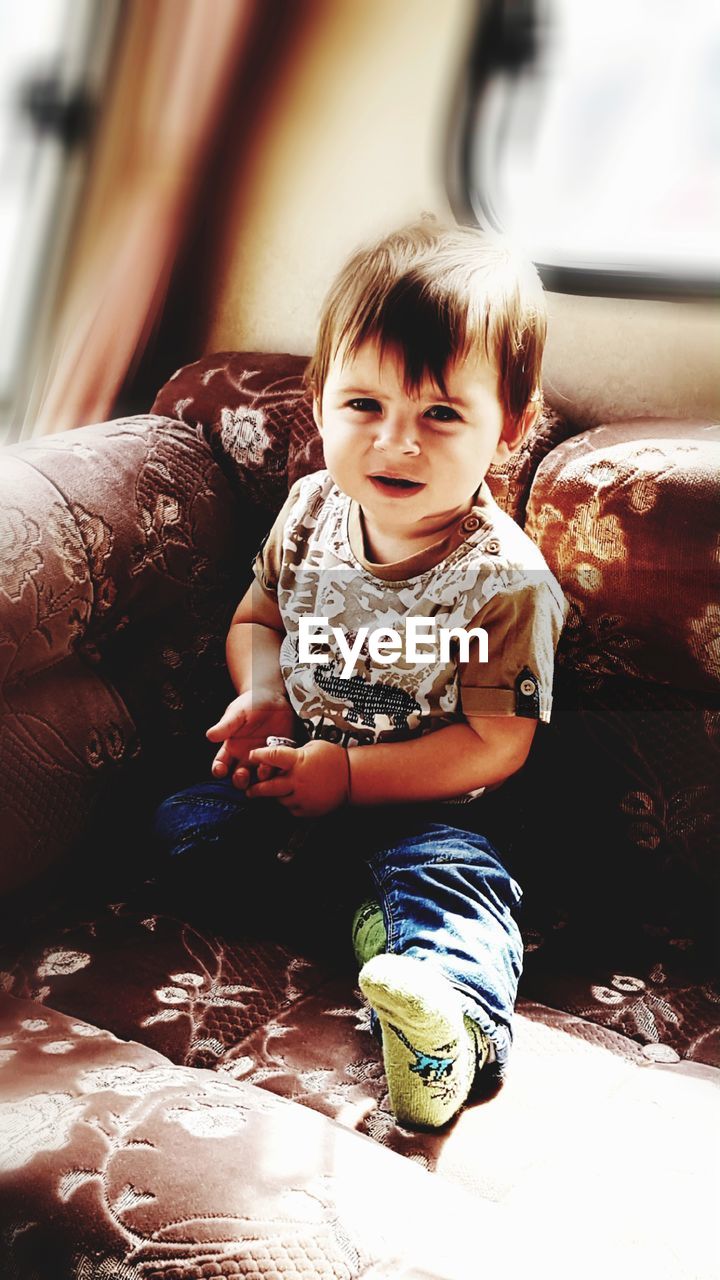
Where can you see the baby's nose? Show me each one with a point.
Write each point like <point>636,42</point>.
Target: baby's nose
<point>397,433</point>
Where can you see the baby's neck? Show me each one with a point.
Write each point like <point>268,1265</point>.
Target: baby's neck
<point>386,548</point>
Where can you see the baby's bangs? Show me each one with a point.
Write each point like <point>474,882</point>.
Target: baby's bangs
<point>428,328</point>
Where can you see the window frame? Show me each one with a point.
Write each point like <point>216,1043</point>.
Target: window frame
<point>504,41</point>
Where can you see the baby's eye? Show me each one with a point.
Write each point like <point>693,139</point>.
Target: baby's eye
<point>363,405</point>
<point>442,413</point>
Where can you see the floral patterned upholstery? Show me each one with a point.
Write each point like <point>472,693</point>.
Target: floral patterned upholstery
<point>126,546</point>
<point>120,568</point>
<point>627,516</point>
<point>84,1118</point>
<point>255,415</point>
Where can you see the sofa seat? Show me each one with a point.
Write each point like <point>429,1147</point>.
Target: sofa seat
<point>115,1163</point>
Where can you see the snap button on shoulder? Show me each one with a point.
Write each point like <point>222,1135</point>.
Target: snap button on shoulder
<point>527,687</point>
<point>492,546</point>
<point>470,524</point>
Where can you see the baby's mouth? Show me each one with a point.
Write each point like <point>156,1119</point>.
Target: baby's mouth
<point>397,482</point>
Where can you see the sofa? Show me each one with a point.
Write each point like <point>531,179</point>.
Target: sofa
<point>181,1097</point>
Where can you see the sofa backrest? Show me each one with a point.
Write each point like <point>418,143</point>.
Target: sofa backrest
<point>257,418</point>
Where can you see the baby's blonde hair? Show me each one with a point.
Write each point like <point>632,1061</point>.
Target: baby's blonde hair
<point>436,294</point>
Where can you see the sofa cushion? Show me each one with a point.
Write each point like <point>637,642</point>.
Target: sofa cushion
<point>188,984</point>
<point>115,1163</point>
<point>627,516</point>
<point>42,542</point>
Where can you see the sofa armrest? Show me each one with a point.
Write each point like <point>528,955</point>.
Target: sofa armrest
<point>126,553</point>
<point>626,515</point>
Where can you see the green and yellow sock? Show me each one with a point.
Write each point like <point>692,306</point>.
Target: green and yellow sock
<point>431,1049</point>
<point>368,931</point>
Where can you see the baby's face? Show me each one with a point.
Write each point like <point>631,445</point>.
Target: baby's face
<point>374,433</point>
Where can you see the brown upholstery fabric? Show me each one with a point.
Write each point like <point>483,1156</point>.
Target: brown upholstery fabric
<point>126,554</point>
<point>114,1163</point>
<point>626,515</point>
<point>250,408</point>
<point>186,1174</point>
<point>194,992</point>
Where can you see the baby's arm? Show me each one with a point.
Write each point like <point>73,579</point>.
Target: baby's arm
<point>489,743</point>
<point>262,707</point>
<point>480,752</point>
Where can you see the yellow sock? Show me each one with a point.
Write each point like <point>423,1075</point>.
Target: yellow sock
<point>431,1050</point>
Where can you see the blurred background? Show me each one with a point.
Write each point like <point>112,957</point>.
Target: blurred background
<point>185,176</point>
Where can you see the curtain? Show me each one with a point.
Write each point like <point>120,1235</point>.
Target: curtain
<point>176,71</point>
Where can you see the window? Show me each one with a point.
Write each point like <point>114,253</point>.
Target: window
<point>53,59</point>
<point>591,135</point>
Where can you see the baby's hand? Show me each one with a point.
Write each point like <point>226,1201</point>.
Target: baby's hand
<point>310,780</point>
<point>246,723</point>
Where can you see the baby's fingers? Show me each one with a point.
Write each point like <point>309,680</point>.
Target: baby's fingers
<point>283,759</point>
<point>273,789</point>
<point>227,725</point>
<point>265,771</point>
<point>222,763</point>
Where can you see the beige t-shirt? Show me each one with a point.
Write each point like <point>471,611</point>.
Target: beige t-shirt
<point>483,573</point>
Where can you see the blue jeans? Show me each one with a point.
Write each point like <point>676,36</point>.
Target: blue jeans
<point>443,889</point>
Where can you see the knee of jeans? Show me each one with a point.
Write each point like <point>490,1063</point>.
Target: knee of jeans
<point>439,846</point>
<point>197,811</point>
<point>168,822</point>
<point>452,864</point>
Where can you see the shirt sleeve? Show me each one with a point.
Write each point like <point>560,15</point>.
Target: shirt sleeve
<point>523,626</point>
<point>267,563</point>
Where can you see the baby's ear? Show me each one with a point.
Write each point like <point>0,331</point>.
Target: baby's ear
<point>516,429</point>
<point>317,415</point>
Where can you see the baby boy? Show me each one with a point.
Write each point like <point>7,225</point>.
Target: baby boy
<point>426,372</point>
